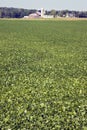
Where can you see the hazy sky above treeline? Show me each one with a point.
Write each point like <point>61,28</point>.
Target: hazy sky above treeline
<point>80,5</point>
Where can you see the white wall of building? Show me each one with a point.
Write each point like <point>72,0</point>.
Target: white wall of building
<point>48,16</point>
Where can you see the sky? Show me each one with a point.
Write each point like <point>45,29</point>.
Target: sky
<point>79,5</point>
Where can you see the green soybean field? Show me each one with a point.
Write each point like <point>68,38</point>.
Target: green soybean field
<point>43,75</point>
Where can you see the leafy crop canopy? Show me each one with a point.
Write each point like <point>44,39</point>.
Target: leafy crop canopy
<point>43,75</point>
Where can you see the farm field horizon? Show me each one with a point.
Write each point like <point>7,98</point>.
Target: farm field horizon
<point>47,19</point>
<point>43,75</point>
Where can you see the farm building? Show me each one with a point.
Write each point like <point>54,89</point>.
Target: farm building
<point>38,14</point>
<point>35,15</point>
<point>70,15</point>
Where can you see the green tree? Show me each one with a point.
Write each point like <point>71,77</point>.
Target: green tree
<point>53,12</point>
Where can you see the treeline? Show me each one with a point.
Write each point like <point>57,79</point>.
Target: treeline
<point>64,13</point>
<point>14,12</point>
<point>19,13</point>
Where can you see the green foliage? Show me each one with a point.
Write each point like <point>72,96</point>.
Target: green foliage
<point>14,12</point>
<point>43,75</point>
<point>53,12</point>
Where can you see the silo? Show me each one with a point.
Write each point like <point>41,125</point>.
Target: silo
<point>42,12</point>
